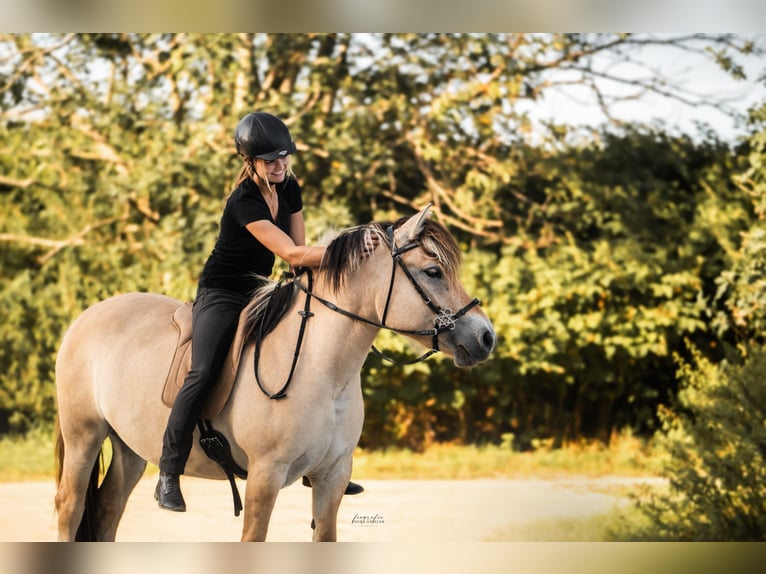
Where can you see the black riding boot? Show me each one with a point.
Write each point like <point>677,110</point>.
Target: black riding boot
<point>168,492</point>
<point>352,488</point>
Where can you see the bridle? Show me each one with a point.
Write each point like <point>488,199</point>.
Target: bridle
<point>444,319</point>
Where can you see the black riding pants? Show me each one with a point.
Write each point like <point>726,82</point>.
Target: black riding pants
<point>214,323</point>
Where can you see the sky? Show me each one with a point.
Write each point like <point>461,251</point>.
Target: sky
<point>695,73</point>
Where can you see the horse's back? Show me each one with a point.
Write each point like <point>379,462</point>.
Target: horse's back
<point>117,321</point>
<point>116,354</point>
<point>126,305</point>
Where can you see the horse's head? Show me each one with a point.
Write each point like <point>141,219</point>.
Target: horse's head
<point>413,280</point>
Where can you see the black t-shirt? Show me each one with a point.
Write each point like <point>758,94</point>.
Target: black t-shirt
<point>237,255</point>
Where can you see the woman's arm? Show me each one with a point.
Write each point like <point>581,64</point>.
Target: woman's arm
<point>281,244</point>
<point>298,228</point>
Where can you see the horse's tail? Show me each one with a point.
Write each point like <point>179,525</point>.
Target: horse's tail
<point>86,532</point>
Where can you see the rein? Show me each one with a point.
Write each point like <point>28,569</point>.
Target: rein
<point>444,320</point>
<point>305,314</point>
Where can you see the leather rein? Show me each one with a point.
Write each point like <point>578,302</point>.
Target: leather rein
<point>444,319</point>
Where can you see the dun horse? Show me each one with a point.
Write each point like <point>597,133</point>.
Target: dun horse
<point>114,359</point>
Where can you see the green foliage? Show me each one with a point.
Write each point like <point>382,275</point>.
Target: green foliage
<point>715,434</point>
<point>740,299</point>
<point>605,276</point>
<point>593,257</point>
<point>716,444</point>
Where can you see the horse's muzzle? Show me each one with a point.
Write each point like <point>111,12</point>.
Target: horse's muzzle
<point>471,345</point>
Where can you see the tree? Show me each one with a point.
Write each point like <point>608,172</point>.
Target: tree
<point>738,308</point>
<point>713,431</point>
<point>116,156</point>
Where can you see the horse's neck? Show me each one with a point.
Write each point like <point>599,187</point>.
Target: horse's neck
<point>341,342</point>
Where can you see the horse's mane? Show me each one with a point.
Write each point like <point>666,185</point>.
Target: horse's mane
<point>344,254</point>
<point>267,307</point>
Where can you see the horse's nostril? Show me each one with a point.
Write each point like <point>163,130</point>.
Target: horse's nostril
<point>488,339</point>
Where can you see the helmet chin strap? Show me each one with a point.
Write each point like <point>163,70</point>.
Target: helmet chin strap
<point>257,178</point>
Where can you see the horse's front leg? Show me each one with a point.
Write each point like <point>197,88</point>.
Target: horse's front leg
<point>326,494</point>
<point>261,492</point>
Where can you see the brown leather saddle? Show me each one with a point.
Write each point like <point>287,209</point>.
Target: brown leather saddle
<point>179,366</point>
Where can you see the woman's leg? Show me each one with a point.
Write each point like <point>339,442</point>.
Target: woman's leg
<point>214,323</point>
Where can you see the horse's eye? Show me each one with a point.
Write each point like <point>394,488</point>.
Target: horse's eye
<point>434,272</point>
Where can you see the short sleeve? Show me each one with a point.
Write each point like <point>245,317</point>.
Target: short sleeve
<point>249,208</point>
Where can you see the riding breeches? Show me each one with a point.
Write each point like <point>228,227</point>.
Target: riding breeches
<point>214,323</point>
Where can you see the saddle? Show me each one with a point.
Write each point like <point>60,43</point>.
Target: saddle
<point>179,366</point>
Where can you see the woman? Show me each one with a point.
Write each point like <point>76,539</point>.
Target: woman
<point>262,217</point>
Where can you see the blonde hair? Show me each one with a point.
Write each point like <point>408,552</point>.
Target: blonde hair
<point>250,170</point>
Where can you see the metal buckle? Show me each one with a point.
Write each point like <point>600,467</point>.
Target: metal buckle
<point>445,320</point>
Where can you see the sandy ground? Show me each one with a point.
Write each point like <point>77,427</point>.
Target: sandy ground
<point>388,511</point>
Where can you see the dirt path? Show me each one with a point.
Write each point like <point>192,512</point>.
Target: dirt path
<point>389,510</point>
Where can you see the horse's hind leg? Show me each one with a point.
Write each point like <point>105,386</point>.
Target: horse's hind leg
<point>79,453</point>
<point>125,470</point>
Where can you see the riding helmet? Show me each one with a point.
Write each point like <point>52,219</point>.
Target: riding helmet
<point>263,136</point>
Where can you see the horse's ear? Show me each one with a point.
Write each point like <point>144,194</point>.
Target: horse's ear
<point>411,228</point>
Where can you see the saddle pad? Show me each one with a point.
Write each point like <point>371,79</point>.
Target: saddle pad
<point>179,366</point>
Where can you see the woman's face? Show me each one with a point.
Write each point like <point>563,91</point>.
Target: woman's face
<point>275,171</point>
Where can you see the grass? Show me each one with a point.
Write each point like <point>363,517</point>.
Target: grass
<point>31,458</point>
<point>588,529</point>
<point>625,456</point>
<point>620,525</point>
<point>27,458</point>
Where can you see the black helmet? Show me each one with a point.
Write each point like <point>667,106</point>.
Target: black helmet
<point>264,136</point>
